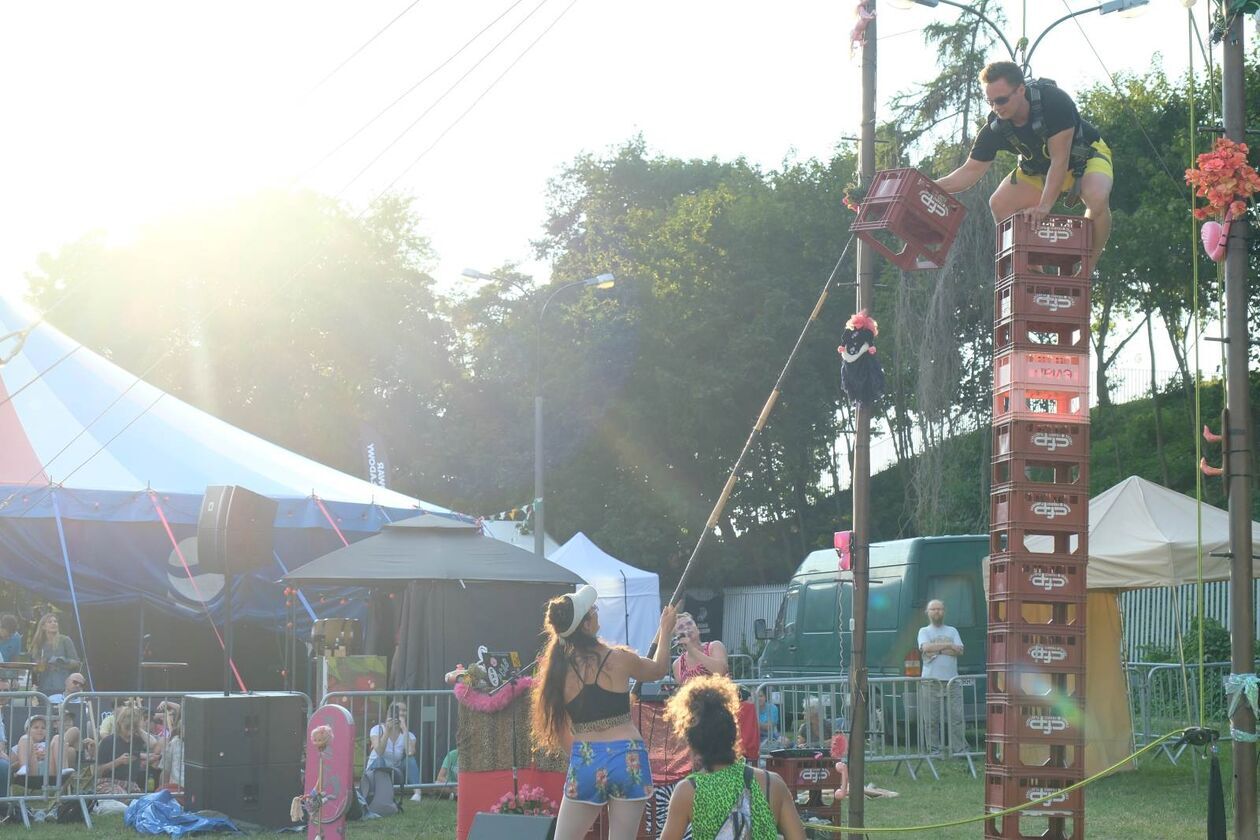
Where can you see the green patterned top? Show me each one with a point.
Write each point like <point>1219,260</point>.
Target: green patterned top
<point>715,796</point>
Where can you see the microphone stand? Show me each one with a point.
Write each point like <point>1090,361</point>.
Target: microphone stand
<point>516,770</point>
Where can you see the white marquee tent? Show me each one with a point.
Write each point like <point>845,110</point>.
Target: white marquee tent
<point>629,598</point>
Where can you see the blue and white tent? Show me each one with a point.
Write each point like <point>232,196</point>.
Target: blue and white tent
<point>102,476</point>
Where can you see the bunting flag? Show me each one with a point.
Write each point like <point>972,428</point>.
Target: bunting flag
<point>524,513</point>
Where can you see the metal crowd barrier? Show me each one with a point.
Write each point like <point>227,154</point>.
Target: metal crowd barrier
<point>88,711</point>
<point>896,731</point>
<point>17,708</point>
<point>742,665</point>
<point>431,717</point>
<point>1164,696</point>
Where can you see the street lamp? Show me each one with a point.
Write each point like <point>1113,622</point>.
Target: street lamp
<point>599,281</point>
<point>1130,7</point>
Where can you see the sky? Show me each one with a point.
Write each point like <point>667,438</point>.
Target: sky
<point>118,114</point>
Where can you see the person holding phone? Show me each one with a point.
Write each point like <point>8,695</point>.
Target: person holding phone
<point>122,758</point>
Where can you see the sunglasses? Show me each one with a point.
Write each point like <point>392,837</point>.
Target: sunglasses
<point>999,101</point>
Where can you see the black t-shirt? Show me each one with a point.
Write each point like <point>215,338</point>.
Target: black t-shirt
<point>1058,113</point>
<point>112,747</point>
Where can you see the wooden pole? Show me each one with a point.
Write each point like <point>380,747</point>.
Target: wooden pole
<point>862,467</point>
<point>1238,439</point>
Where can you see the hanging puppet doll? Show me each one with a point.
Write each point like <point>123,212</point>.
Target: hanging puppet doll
<point>861,374</point>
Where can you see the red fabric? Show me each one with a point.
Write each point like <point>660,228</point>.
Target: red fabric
<point>479,791</point>
<point>668,755</point>
<point>749,731</point>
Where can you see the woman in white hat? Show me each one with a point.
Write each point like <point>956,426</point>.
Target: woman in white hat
<point>582,703</point>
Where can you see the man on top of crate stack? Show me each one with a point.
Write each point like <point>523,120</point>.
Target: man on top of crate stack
<point>1058,151</point>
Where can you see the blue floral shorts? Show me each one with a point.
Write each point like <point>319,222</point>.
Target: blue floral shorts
<point>603,770</point>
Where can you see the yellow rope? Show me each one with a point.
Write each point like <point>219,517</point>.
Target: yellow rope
<point>1198,380</point>
<point>839,829</point>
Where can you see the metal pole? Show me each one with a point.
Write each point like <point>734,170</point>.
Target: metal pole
<point>862,467</point>
<point>538,471</point>
<point>1238,458</point>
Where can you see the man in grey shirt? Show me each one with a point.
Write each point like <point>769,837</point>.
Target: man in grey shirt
<point>940,645</point>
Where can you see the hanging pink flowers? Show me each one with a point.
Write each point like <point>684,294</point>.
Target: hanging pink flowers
<point>1224,179</point>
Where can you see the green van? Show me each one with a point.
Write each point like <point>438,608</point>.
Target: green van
<point>814,627</point>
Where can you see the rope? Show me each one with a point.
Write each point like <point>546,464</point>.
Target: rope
<point>1198,381</point>
<point>839,829</point>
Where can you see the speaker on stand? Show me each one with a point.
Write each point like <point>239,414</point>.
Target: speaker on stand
<point>235,534</point>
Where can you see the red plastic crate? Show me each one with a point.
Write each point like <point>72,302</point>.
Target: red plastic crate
<point>1035,756</point>
<point>1053,370</point>
<point>1059,404</point>
<point>1042,298</point>
<point>1035,722</point>
<point>1061,544</point>
<point>909,219</point>
<point>1022,646</point>
<point>1065,825</point>
<point>1016,504</point>
<point>1036,685</point>
<point>1031,576</point>
<point>1007,788</point>
<point>1052,235</point>
<point>1028,332</point>
<point>1039,436</point>
<point>1050,263</point>
<point>1038,472</point>
<point>1049,613</point>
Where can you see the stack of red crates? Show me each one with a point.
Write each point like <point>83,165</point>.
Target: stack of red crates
<point>1039,528</point>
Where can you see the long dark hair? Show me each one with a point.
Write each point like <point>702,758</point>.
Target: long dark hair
<point>548,714</point>
<point>704,712</point>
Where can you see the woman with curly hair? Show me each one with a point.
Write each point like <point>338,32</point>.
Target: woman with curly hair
<point>581,703</point>
<point>704,712</point>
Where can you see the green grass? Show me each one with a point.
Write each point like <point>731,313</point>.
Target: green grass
<point>1158,800</point>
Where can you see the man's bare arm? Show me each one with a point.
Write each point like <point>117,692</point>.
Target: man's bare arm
<point>964,177</point>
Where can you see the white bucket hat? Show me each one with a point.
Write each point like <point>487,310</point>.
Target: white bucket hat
<point>582,600</point>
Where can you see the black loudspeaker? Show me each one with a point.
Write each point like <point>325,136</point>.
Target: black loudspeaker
<point>243,754</point>
<point>516,826</point>
<point>244,729</point>
<point>235,531</point>
<point>259,795</point>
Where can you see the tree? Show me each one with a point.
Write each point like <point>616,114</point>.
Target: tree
<point>283,314</point>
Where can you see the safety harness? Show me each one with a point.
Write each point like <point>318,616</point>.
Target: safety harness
<point>1082,150</point>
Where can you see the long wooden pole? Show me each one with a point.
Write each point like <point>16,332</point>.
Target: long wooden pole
<point>1239,458</point>
<point>862,467</point>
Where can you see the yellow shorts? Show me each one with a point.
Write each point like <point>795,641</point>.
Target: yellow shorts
<point>1100,162</point>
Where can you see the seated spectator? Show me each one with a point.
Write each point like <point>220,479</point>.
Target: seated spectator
<point>767,717</point>
<point>54,655</point>
<point>10,639</point>
<point>74,683</point>
<point>705,712</point>
<point>4,746</point>
<point>394,746</point>
<point>123,757</point>
<point>172,761</point>
<point>448,773</point>
<point>32,749</point>
<point>68,745</point>
<point>815,730</point>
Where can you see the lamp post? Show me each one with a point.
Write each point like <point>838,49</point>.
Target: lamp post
<point>600,281</point>
<point>1026,52</point>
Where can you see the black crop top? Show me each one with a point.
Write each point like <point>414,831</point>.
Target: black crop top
<point>594,702</point>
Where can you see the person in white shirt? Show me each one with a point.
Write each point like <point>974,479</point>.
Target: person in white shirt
<point>940,702</point>
<point>394,746</point>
